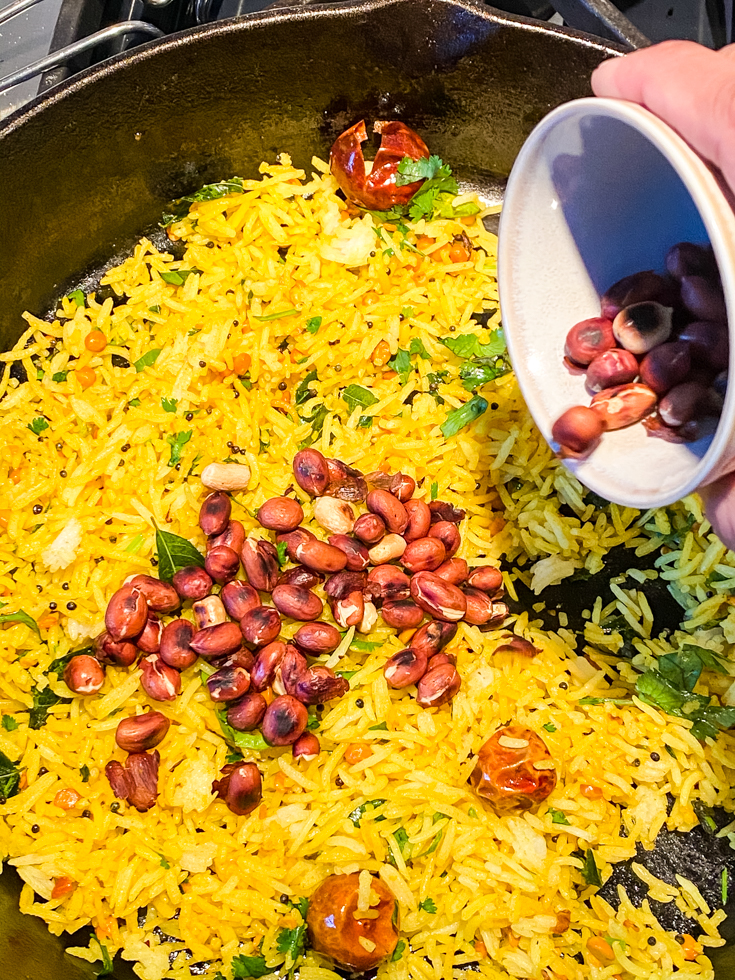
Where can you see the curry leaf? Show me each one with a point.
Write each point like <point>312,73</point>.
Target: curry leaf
<point>150,357</point>
<point>173,553</point>
<point>9,778</point>
<point>590,871</point>
<point>398,951</point>
<point>356,395</point>
<point>458,418</point>
<point>20,617</point>
<point>177,277</point>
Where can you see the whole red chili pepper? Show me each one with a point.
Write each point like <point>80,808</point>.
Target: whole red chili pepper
<point>376,190</point>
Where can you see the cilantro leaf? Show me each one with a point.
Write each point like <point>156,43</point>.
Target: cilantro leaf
<point>169,404</point>
<point>313,324</point>
<point>439,189</point>
<point>84,773</point>
<point>364,646</point>
<point>177,277</point>
<point>291,941</point>
<point>398,951</point>
<point>303,392</point>
<point>107,967</point>
<point>174,553</point>
<point>549,727</point>
<point>356,395</point>
<point>434,490</point>
<point>249,966</point>
<point>359,812</point>
<point>428,905</point>
<point>481,372</point>
<point>9,723</point>
<point>9,778</point>
<point>458,418</point>
<point>470,345</point>
<point>558,817</point>
<point>38,425</point>
<point>59,376</point>
<point>401,364</point>
<point>417,347</point>
<point>244,740</point>
<point>150,357</point>
<point>177,443</point>
<point>281,553</point>
<point>78,296</point>
<point>409,171</point>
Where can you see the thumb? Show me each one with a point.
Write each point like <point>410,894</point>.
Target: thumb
<point>719,506</point>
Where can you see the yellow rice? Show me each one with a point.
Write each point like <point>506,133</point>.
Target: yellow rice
<point>500,886</point>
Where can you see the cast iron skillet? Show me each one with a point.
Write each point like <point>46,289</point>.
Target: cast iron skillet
<point>88,168</point>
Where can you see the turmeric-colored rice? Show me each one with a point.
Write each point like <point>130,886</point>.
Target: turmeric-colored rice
<point>120,452</point>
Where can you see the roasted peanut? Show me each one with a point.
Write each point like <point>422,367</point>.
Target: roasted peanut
<point>284,720</point>
<point>306,747</point>
<point>311,472</point>
<point>260,626</point>
<point>238,598</point>
<point>126,613</point>
<point>402,486</point>
<point>387,549</point>
<point>159,596</point>
<point>405,668</point>
<point>357,554</point>
<point>240,658</point>
<point>432,637</point>
<point>589,338</point>
<point>225,476</point>
<point>233,537</point>
<point>388,582</point>
<point>708,345</point>
<point>149,640</point>
<point>216,641</point>
<point>260,559</point>
<point>369,528</point>
<point>240,787</point>
<point>437,597</point>
<point>159,681</point>
<point>500,614</point>
<point>209,612</point>
<point>419,520</point>
<point>704,298</point>
<point>624,405</point>
<point>228,683</point>
<point>342,583</point>
<point>300,575</point>
<point>317,638</point>
<point>688,402</point>
<point>487,578</point>
<point>369,618</point>
<point>109,651</point>
<point>215,513</point>
<point>402,614</point>
<point>348,610</point>
<point>141,732</point>
<point>425,554</point>
<point>319,685</point>
<point>222,564</point>
<point>481,608</point>
<point>334,515</point>
<point>280,514</point>
<point>389,509</point>
<point>519,645</point>
<point>175,647</point>
<point>84,674</point>
<point>297,603</point>
<point>443,658</point>
<point>447,533</point>
<point>192,582</point>
<point>441,510</point>
<point>454,571</point>
<point>639,287</point>
<point>247,713</point>
<point>378,479</point>
<point>264,668</point>
<point>137,781</point>
<point>320,556</point>
<point>577,431</point>
<point>438,685</point>
<point>345,482</point>
<point>611,368</point>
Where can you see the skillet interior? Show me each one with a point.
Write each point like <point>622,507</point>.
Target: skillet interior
<point>86,170</point>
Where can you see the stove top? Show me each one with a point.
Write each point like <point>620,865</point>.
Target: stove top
<point>61,37</point>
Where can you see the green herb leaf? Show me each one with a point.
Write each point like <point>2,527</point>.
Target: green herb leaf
<point>107,967</point>
<point>434,844</point>
<point>173,553</point>
<point>303,392</point>
<point>154,309</point>
<point>9,723</point>
<point>434,490</point>
<point>313,324</point>
<point>177,444</point>
<point>150,357</point>
<point>281,549</point>
<point>135,545</point>
<point>365,422</point>
<point>84,773</point>
<point>398,951</point>
<point>177,277</point>
<point>38,425</point>
<point>416,346</point>
<point>243,740</point>
<point>169,404</point>
<point>134,403</point>
<point>549,727</point>
<point>476,373</point>
<point>590,871</point>
<point>210,192</point>
<point>59,376</point>
<point>401,838</point>
<point>282,314</point>
<point>21,617</point>
<point>470,345</point>
<point>365,646</point>
<point>558,817</point>
<point>78,296</point>
<point>291,941</point>
<point>359,812</point>
<point>618,701</point>
<point>407,312</point>
<point>249,966</point>
<point>472,812</point>
<point>9,778</point>
<point>382,727</point>
<point>458,418</point>
<point>428,905</point>
<point>409,171</point>
<point>356,395</point>
<point>401,364</point>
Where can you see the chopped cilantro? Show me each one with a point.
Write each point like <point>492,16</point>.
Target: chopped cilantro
<point>149,358</point>
<point>416,346</point>
<point>558,817</point>
<point>59,376</point>
<point>178,277</point>
<point>428,905</point>
<point>313,324</point>
<point>281,548</point>
<point>359,812</point>
<point>38,425</point>
<point>177,444</point>
<point>9,778</point>
<point>249,966</point>
<point>84,773</point>
<point>398,951</point>
<point>9,723</point>
<point>549,727</point>
<point>401,364</point>
<point>169,404</point>
<point>470,345</point>
<point>134,403</point>
<point>434,490</point>
<point>78,296</point>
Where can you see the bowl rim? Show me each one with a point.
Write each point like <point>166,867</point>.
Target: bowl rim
<point>714,203</point>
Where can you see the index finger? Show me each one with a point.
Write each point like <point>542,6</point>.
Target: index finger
<point>690,87</point>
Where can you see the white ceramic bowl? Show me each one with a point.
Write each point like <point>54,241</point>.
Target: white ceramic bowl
<point>602,189</point>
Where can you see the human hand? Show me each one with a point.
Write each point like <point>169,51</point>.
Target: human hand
<point>692,88</point>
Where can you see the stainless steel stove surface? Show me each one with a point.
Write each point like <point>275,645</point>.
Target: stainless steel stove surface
<point>97,29</point>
